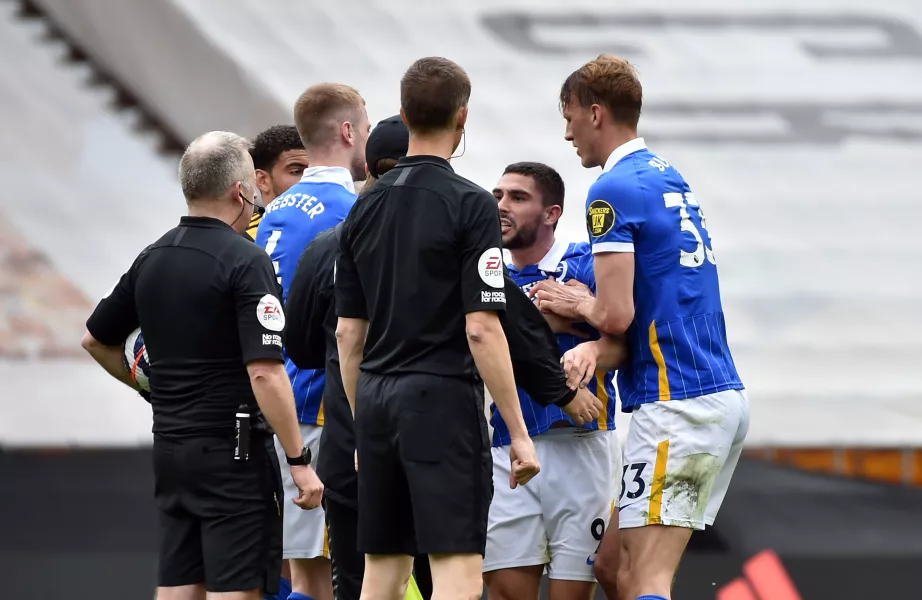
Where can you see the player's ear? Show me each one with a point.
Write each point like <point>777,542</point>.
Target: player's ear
<point>462,117</point>
<point>552,214</point>
<point>347,131</point>
<point>596,115</point>
<point>263,181</point>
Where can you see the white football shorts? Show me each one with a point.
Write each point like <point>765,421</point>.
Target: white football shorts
<point>559,517</point>
<point>304,532</point>
<point>679,458</point>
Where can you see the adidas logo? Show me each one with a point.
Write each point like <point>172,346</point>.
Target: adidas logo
<point>764,578</point>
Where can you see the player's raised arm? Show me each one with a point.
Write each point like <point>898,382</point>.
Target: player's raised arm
<point>613,220</point>
<point>612,310</point>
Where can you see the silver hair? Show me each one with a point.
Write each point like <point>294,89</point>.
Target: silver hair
<point>212,163</point>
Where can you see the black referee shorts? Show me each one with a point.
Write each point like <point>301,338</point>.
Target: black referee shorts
<point>220,519</point>
<point>425,469</point>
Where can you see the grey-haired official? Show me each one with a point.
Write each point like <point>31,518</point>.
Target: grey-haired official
<point>207,301</point>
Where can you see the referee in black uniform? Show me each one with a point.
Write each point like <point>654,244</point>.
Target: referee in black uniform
<point>312,345</point>
<point>420,272</point>
<point>207,302</point>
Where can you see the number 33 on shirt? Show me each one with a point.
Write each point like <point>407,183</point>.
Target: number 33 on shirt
<point>642,204</point>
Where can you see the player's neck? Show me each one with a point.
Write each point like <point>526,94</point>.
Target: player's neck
<point>330,158</point>
<point>523,257</point>
<point>441,145</point>
<point>617,137</point>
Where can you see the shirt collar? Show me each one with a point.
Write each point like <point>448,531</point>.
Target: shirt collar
<point>554,255</point>
<point>420,159</point>
<point>187,221</point>
<point>339,175</point>
<point>623,150</point>
<point>551,259</point>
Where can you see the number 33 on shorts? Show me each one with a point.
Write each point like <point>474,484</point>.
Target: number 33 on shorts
<point>637,481</point>
<point>679,458</point>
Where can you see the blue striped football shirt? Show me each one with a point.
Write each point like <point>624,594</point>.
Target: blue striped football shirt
<point>318,202</point>
<point>678,340</point>
<point>564,261</point>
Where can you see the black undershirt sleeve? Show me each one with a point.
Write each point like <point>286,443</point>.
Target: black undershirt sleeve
<point>534,350</point>
<point>309,300</point>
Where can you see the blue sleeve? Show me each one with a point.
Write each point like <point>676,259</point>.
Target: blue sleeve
<point>586,272</point>
<point>578,265</point>
<point>615,212</point>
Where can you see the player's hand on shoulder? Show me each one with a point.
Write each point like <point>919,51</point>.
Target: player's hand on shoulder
<point>584,408</point>
<point>524,461</point>
<point>310,488</point>
<point>579,363</point>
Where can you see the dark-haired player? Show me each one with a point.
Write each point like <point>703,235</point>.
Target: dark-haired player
<point>280,159</point>
<point>558,522</point>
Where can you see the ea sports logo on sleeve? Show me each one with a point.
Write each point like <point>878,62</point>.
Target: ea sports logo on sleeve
<point>269,312</point>
<point>490,267</point>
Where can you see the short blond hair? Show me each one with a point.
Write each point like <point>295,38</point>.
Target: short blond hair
<point>609,81</point>
<point>322,108</point>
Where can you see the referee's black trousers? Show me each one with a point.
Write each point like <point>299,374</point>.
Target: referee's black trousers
<point>348,563</point>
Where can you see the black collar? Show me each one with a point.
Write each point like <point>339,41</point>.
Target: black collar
<point>410,161</point>
<point>206,222</point>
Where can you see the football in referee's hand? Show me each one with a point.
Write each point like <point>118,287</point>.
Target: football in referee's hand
<point>136,359</point>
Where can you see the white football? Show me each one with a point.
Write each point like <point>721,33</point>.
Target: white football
<point>136,359</point>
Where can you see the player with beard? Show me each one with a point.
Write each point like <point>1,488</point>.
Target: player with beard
<point>280,159</point>
<point>558,521</point>
<point>333,125</point>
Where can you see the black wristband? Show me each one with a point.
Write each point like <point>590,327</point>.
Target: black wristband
<point>567,398</point>
<point>300,461</point>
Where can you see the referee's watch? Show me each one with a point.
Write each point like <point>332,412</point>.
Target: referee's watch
<point>300,461</point>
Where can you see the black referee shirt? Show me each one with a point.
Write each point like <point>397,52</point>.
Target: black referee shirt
<point>207,302</point>
<point>312,345</point>
<point>419,250</point>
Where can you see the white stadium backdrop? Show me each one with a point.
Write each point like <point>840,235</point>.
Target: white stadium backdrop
<point>798,125</point>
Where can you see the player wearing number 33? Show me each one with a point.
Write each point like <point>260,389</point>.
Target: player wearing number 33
<point>656,282</point>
